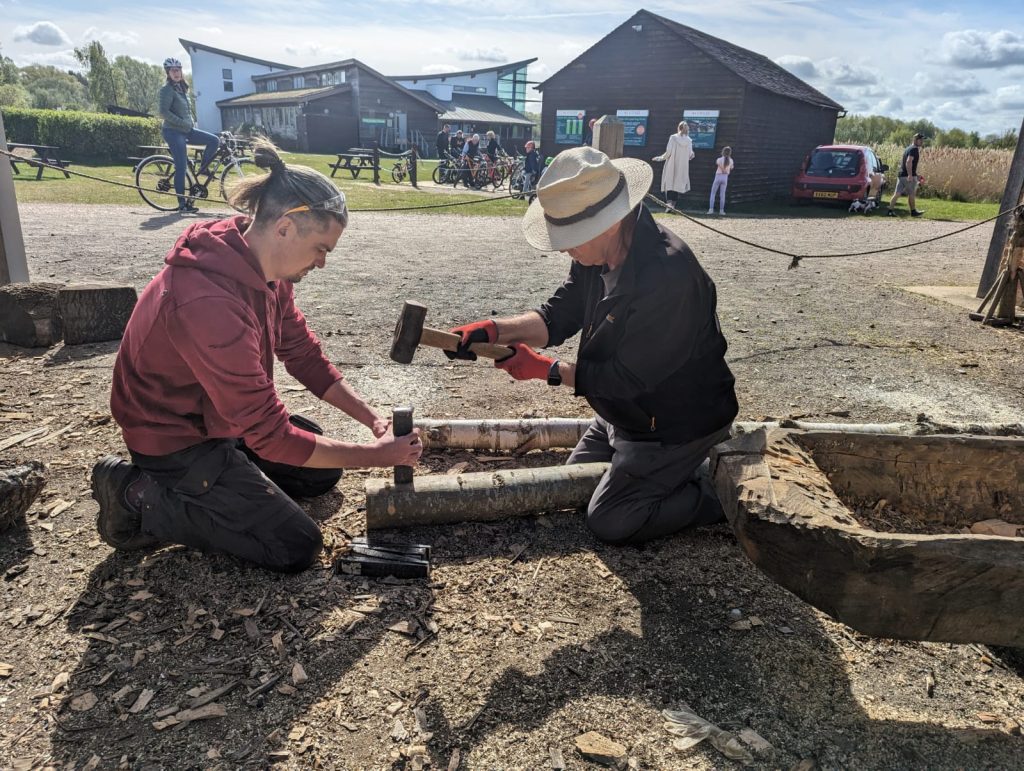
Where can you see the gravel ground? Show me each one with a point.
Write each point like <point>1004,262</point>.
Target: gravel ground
<point>530,633</point>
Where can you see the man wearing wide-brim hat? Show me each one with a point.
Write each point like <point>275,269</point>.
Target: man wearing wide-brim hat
<point>651,360</point>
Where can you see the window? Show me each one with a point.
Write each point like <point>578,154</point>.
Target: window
<point>226,74</point>
<point>311,81</point>
<point>271,85</point>
<point>229,86</point>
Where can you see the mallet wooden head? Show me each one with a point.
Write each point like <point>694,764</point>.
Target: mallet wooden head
<point>408,332</point>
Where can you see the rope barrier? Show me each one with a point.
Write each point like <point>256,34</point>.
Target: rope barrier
<point>795,259</point>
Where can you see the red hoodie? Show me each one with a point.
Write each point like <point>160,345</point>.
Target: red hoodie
<point>197,358</point>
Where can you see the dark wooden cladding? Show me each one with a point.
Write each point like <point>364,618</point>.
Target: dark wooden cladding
<point>655,69</point>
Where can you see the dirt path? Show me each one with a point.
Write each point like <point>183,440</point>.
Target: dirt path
<point>542,634</point>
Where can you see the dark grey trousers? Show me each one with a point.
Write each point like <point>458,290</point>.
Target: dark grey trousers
<point>652,489</point>
<point>219,496</point>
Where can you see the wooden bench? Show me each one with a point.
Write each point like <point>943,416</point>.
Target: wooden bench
<point>43,157</point>
<point>354,163</point>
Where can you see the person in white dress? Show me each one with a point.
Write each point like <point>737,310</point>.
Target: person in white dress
<point>675,177</point>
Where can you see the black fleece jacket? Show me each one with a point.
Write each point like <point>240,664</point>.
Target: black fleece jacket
<point>652,355</point>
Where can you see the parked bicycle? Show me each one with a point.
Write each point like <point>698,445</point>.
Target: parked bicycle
<point>156,172</point>
<point>447,171</point>
<point>401,169</point>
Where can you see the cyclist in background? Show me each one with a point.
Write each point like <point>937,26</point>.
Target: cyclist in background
<point>493,146</point>
<point>179,129</point>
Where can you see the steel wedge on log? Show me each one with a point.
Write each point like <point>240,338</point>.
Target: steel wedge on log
<point>480,496</point>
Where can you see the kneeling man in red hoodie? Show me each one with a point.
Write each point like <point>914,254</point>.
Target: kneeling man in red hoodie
<point>216,458</point>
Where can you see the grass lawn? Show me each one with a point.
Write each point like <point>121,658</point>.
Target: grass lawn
<point>363,195</point>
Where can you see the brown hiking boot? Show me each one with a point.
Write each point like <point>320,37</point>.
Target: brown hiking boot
<point>119,524</point>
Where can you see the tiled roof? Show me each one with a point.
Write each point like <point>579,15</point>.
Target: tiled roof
<point>754,68</point>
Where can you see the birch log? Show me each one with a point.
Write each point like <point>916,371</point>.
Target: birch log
<point>480,496</point>
<point>517,436</point>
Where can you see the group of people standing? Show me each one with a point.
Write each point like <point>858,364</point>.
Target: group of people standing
<point>675,177</point>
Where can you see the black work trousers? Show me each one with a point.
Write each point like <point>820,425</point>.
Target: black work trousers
<point>219,496</point>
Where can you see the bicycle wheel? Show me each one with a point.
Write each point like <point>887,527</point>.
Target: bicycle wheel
<point>234,172</point>
<point>515,184</point>
<point>156,173</point>
<point>398,172</point>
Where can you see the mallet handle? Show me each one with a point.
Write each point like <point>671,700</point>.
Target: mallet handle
<point>448,341</point>
<point>401,424</point>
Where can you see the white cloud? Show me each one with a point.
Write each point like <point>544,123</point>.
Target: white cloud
<point>1010,97</point>
<point>947,84</point>
<point>838,72</point>
<point>495,55</point>
<point>973,49</point>
<point>65,60</point>
<point>889,106</point>
<point>800,66</point>
<point>437,69</point>
<point>110,37</point>
<point>44,33</point>
<point>210,30</point>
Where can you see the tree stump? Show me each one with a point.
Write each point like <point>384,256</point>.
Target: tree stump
<point>19,487</point>
<point>93,313</point>
<point>29,316</point>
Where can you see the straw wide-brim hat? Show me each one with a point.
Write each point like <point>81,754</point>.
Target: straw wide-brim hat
<point>581,195</point>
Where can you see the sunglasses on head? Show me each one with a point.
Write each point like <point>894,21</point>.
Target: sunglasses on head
<point>335,204</point>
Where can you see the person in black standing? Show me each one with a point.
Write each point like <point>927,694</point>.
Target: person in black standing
<point>456,144</point>
<point>908,179</point>
<point>443,140</point>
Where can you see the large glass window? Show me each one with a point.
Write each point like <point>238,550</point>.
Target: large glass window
<point>512,89</point>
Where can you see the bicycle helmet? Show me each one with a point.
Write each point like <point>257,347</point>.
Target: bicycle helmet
<point>170,61</point>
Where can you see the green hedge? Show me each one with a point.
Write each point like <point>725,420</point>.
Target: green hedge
<point>82,135</point>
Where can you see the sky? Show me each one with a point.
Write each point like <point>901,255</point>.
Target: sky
<point>956,64</point>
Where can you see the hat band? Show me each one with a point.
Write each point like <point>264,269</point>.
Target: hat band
<point>591,210</point>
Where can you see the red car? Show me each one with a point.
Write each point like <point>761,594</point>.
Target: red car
<point>838,173</point>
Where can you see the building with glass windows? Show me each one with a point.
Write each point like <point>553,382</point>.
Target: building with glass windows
<point>335,106</point>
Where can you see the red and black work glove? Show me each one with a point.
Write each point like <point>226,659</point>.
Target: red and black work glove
<point>485,331</point>
<point>525,363</point>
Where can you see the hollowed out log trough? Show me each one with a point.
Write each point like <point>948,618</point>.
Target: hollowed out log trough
<point>787,495</point>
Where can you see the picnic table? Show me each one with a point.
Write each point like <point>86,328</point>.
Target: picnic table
<point>42,155</point>
<point>355,162</point>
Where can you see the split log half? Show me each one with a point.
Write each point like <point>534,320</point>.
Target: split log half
<point>19,487</point>
<point>94,313</point>
<point>29,315</point>
<point>480,496</point>
<point>779,491</point>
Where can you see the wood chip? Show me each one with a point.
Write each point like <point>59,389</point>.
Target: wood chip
<point>278,642</point>
<point>165,723</point>
<point>60,682</point>
<point>217,633</point>
<point>405,627</point>
<point>142,701</point>
<point>990,717</point>
<point>206,712</point>
<point>298,674</point>
<point>394,708</point>
<point>297,733</point>
<point>141,595</point>
<point>398,732</point>
<point>251,630</point>
<point>456,760</point>
<point>244,612</point>
<point>557,761</point>
<point>84,702</point>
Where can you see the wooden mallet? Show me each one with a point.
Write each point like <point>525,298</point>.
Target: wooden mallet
<point>410,333</point>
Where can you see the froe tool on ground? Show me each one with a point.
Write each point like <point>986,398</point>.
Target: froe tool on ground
<point>410,332</point>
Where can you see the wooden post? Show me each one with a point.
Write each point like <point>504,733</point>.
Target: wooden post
<point>413,162</point>
<point>376,163</point>
<point>609,135</point>
<point>13,265</point>
<point>480,497</point>
<point>1013,194</point>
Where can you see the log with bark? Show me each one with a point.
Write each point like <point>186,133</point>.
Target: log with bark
<point>19,487</point>
<point>29,316</point>
<point>788,493</point>
<point>94,313</point>
<point>480,496</point>
<point>518,436</point>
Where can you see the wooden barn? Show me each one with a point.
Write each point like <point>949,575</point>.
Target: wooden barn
<point>652,72</point>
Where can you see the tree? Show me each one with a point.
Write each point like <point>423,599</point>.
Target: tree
<point>13,95</point>
<point>54,89</point>
<point>141,83</point>
<point>105,85</point>
<point>8,70</point>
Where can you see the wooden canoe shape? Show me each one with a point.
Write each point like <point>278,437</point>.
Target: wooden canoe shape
<point>787,495</point>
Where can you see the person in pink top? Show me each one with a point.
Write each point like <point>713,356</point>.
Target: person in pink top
<point>216,459</point>
<point>723,168</point>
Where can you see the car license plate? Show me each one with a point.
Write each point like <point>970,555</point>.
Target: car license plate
<point>825,194</point>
